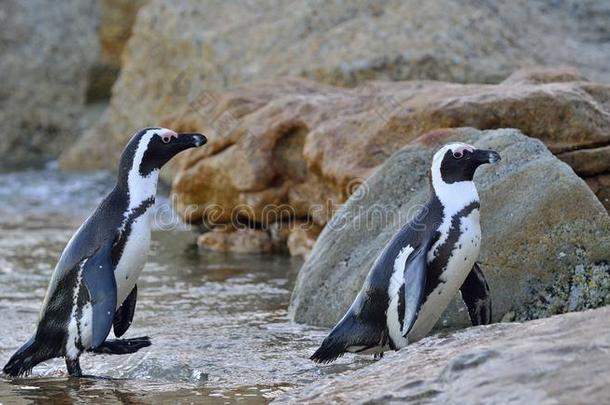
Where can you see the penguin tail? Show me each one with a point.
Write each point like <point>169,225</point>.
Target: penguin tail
<point>330,350</point>
<point>122,346</point>
<point>350,335</point>
<point>24,359</point>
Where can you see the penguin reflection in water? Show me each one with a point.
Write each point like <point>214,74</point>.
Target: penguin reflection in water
<point>422,267</point>
<point>93,287</point>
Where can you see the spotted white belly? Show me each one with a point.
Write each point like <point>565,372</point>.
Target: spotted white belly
<point>80,325</point>
<point>134,256</point>
<point>396,281</point>
<point>460,263</point>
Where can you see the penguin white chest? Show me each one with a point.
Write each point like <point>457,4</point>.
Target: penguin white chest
<point>134,256</point>
<point>463,255</point>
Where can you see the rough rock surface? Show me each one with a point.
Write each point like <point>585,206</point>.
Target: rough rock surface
<point>601,187</point>
<point>543,229</point>
<point>180,48</point>
<point>300,148</point>
<point>588,162</point>
<point>45,55</point>
<point>294,237</point>
<point>302,239</point>
<point>243,240</point>
<point>116,21</point>
<point>558,360</point>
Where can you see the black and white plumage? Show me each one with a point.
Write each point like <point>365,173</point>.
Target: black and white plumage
<point>93,286</point>
<point>422,267</point>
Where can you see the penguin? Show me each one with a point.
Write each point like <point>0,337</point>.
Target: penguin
<point>93,287</point>
<point>422,267</point>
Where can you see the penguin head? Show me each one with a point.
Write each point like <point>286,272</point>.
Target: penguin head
<point>151,148</point>
<point>457,162</point>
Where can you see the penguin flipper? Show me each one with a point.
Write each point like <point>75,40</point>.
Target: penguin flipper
<point>476,296</point>
<point>98,277</point>
<point>124,314</point>
<point>415,275</point>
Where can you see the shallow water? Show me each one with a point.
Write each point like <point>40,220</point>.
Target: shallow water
<point>218,322</point>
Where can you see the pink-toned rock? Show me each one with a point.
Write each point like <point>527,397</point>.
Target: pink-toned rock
<point>298,148</point>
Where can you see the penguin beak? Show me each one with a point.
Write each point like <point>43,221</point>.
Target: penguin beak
<point>193,140</point>
<point>483,156</point>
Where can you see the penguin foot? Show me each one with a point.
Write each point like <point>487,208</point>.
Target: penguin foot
<point>122,346</point>
<point>73,366</point>
<point>378,356</point>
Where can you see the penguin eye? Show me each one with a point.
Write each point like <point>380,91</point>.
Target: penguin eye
<point>166,138</point>
<point>458,154</point>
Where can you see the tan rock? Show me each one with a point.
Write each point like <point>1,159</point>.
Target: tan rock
<point>296,237</point>
<point>179,49</point>
<point>296,146</point>
<point>301,239</point>
<point>116,21</point>
<point>243,240</point>
<point>588,162</point>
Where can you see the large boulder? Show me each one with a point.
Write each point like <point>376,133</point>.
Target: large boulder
<point>46,51</point>
<point>297,148</point>
<point>546,237</point>
<point>558,360</point>
<point>181,48</point>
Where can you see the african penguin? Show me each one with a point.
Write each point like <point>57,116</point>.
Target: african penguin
<point>93,286</point>
<point>422,267</point>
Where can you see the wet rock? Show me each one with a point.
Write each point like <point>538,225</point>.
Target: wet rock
<point>202,45</point>
<point>279,232</point>
<point>563,359</point>
<point>242,240</point>
<point>539,223</point>
<point>45,56</point>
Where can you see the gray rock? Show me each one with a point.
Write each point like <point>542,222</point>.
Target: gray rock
<point>46,50</point>
<point>558,360</point>
<point>545,234</point>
